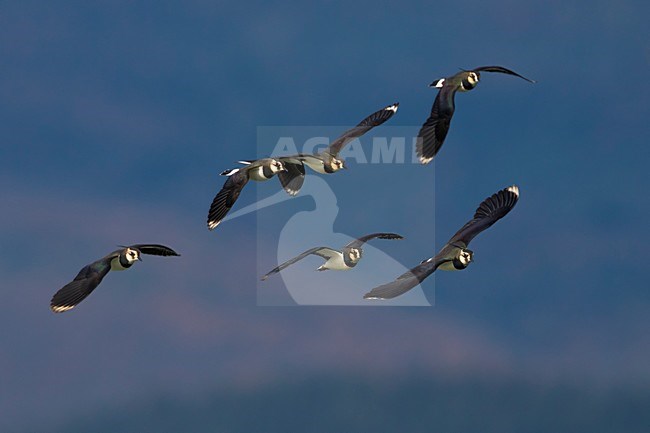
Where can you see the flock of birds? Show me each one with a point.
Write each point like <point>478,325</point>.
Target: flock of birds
<point>455,255</point>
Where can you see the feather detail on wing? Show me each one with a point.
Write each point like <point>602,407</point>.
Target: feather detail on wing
<point>404,282</point>
<point>155,250</point>
<point>363,239</point>
<point>226,198</point>
<point>78,289</point>
<point>489,211</point>
<point>375,119</point>
<point>292,179</point>
<point>433,132</point>
<point>323,252</point>
<point>501,70</point>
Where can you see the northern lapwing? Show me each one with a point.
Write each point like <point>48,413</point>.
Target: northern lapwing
<point>455,255</point>
<point>328,161</point>
<point>259,170</point>
<point>435,128</point>
<point>336,260</point>
<point>91,275</point>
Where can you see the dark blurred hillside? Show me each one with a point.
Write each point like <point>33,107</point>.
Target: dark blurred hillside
<point>331,404</point>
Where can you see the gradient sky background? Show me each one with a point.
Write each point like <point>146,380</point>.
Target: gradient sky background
<point>118,116</point>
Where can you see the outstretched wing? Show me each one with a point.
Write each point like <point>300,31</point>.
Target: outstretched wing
<point>501,70</point>
<point>294,177</point>
<point>375,119</point>
<point>489,211</point>
<point>435,128</point>
<point>323,252</point>
<point>84,283</point>
<point>227,197</point>
<point>406,281</point>
<point>155,250</point>
<point>363,239</point>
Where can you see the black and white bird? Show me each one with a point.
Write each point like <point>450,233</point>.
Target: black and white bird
<point>259,170</point>
<point>328,161</point>
<point>435,128</point>
<point>455,255</point>
<point>335,260</point>
<point>91,275</point>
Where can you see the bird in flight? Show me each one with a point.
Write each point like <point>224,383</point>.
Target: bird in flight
<point>259,170</point>
<point>328,161</point>
<point>91,275</point>
<point>336,260</point>
<point>435,128</point>
<point>455,255</point>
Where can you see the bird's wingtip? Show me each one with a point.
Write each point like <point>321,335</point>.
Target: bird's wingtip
<point>229,172</point>
<point>513,189</point>
<point>393,107</point>
<point>61,308</point>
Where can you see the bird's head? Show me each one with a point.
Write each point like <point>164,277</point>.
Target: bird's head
<point>337,164</point>
<point>354,254</point>
<point>465,257</point>
<point>132,255</point>
<point>277,166</point>
<point>470,80</point>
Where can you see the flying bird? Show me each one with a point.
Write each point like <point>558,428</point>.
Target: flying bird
<point>335,260</point>
<point>435,128</point>
<point>455,255</point>
<point>91,275</point>
<point>259,170</point>
<point>328,161</point>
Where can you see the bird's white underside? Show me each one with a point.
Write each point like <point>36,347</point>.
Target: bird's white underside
<point>335,263</point>
<point>116,265</point>
<point>315,164</point>
<point>447,266</point>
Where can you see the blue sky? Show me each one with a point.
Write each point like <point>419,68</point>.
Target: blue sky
<point>118,117</point>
